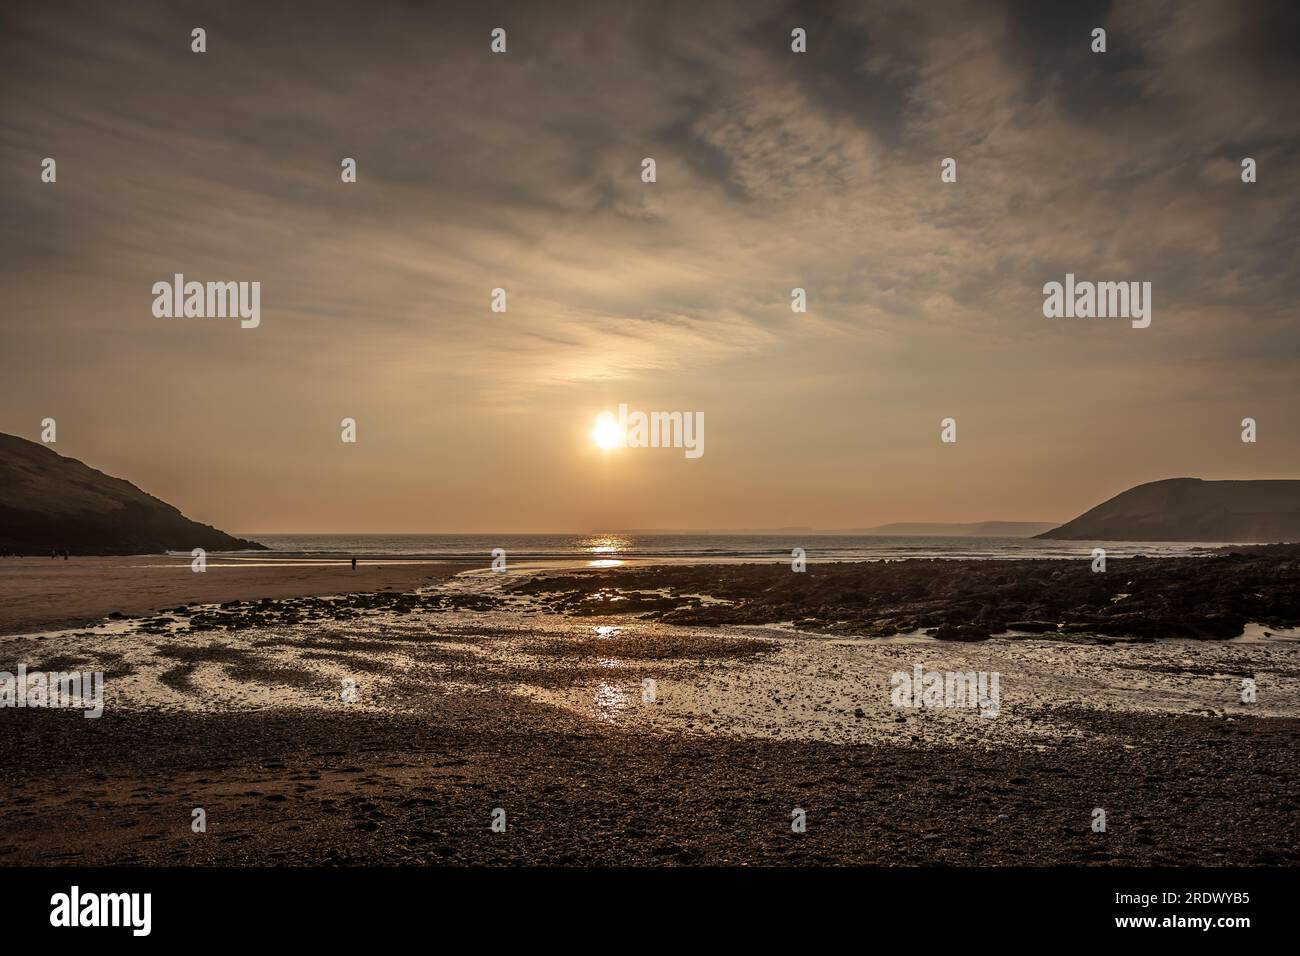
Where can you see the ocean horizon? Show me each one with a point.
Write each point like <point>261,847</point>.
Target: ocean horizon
<point>703,548</point>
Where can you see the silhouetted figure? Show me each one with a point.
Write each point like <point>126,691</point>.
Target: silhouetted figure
<point>54,553</point>
<point>354,564</point>
<point>65,555</point>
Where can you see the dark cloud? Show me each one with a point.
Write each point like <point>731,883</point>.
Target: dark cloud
<point>1053,41</point>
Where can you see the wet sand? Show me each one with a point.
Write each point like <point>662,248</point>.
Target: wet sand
<point>477,694</point>
<point>44,594</point>
<point>294,788</point>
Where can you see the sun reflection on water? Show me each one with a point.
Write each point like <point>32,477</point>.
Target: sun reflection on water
<point>606,544</point>
<point>609,701</point>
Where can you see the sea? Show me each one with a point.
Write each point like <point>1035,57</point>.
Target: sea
<point>702,547</point>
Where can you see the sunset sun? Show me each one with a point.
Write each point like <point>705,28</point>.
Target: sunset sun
<point>606,434</point>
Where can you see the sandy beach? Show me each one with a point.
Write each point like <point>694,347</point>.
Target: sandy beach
<point>44,593</point>
<point>609,735</point>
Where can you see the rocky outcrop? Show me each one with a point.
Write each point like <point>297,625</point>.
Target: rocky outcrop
<point>1209,597</point>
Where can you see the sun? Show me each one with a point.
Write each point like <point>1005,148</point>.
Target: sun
<point>606,434</point>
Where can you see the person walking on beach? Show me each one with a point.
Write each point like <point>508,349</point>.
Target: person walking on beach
<point>354,564</point>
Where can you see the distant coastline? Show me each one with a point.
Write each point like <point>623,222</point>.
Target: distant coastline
<point>1009,529</point>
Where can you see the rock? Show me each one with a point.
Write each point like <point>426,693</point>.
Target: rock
<point>961,632</point>
<point>1032,627</point>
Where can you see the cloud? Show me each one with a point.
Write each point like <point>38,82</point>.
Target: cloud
<point>775,170</point>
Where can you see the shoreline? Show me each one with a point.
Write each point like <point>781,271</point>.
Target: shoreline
<point>40,594</point>
<point>965,598</point>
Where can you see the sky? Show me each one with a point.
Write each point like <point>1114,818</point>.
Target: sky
<point>774,170</point>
